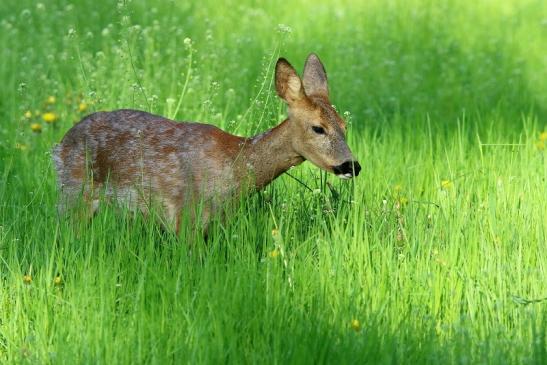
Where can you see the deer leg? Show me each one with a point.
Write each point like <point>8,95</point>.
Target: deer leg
<point>198,222</point>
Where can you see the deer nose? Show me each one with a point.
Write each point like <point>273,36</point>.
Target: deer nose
<point>347,170</point>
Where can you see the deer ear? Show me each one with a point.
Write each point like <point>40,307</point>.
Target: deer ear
<point>287,82</point>
<point>315,77</point>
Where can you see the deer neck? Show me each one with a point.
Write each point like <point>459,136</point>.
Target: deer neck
<point>269,154</point>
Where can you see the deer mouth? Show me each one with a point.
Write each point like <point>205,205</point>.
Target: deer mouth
<point>347,170</point>
<point>345,176</point>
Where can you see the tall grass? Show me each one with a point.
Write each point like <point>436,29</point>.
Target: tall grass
<point>436,254</point>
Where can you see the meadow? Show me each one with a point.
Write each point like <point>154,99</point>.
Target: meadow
<point>436,253</point>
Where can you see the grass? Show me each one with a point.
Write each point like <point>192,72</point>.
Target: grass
<point>436,254</point>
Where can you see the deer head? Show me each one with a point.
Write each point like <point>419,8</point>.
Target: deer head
<point>318,133</point>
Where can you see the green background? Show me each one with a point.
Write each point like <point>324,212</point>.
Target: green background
<point>436,253</point>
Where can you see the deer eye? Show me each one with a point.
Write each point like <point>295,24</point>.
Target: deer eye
<point>318,130</point>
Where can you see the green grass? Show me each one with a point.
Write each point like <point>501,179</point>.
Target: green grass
<point>438,249</point>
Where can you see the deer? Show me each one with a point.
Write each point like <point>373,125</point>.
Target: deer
<point>136,158</point>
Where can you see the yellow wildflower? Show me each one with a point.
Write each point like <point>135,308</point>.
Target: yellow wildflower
<point>49,117</point>
<point>403,201</point>
<point>543,136</point>
<point>356,325</point>
<point>275,233</point>
<point>28,114</point>
<point>447,184</point>
<point>51,99</point>
<point>274,253</point>
<point>27,279</point>
<point>58,280</point>
<point>82,107</point>
<point>36,127</point>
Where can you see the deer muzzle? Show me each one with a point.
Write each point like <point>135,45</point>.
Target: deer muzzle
<point>347,170</point>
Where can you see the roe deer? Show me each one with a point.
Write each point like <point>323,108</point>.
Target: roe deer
<point>135,157</point>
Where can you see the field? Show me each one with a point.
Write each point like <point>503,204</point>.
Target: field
<point>436,253</point>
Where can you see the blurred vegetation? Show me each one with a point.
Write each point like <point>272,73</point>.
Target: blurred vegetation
<point>435,254</point>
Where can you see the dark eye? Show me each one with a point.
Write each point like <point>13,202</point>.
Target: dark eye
<point>318,130</point>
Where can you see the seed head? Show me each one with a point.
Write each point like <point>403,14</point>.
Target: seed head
<point>21,146</point>
<point>282,28</point>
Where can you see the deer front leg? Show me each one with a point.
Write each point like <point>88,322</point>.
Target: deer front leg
<point>193,222</point>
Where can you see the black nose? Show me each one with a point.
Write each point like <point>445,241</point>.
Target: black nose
<point>349,167</point>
